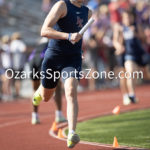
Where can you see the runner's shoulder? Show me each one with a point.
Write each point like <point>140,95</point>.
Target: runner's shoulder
<point>61,7</point>
<point>61,4</point>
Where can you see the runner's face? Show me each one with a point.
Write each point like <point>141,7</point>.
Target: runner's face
<point>126,19</point>
<point>80,1</point>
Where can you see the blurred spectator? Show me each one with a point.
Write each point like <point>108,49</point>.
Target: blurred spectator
<point>107,14</point>
<point>107,18</point>
<point>18,49</point>
<point>1,72</point>
<point>147,46</point>
<point>46,4</point>
<point>3,7</point>
<point>6,64</point>
<point>93,4</point>
<point>147,36</point>
<point>143,13</point>
<point>104,36</point>
<point>92,60</point>
<point>2,2</point>
<point>115,16</point>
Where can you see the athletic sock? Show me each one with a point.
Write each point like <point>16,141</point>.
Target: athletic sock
<point>34,115</point>
<point>58,113</point>
<point>125,96</point>
<point>71,132</point>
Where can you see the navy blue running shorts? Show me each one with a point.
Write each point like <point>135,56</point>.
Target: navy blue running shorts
<point>56,66</point>
<point>139,60</point>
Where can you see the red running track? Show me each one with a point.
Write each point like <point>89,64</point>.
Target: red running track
<point>16,132</point>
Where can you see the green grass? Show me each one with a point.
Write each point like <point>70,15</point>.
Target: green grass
<point>131,129</point>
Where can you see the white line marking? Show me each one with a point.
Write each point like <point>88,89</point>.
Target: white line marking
<point>12,123</point>
<point>64,127</point>
<point>18,122</point>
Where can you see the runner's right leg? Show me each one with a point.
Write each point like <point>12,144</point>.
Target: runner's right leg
<point>42,94</point>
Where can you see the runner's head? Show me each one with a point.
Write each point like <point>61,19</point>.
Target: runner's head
<point>127,18</point>
<point>16,36</point>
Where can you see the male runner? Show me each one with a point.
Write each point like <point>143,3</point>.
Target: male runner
<point>35,62</point>
<point>67,17</point>
<point>131,48</point>
<point>120,54</point>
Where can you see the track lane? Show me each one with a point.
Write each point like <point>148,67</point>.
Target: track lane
<point>22,135</point>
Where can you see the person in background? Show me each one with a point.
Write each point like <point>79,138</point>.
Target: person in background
<point>18,49</point>
<point>115,18</point>
<point>46,4</point>
<point>115,15</point>
<point>1,72</point>
<point>147,47</point>
<point>35,62</point>
<point>6,64</point>
<point>128,42</point>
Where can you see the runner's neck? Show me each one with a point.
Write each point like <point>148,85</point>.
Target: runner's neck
<point>76,3</point>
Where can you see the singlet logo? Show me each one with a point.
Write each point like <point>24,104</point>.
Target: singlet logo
<point>78,13</point>
<point>79,22</point>
<point>128,34</point>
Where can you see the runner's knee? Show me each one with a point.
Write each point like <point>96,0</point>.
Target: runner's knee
<point>129,66</point>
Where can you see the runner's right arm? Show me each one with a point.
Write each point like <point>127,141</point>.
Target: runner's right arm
<point>58,11</point>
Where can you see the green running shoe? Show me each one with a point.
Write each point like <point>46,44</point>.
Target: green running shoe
<point>72,140</point>
<point>36,99</point>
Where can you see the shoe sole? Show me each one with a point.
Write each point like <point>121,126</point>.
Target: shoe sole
<point>61,121</point>
<point>126,102</point>
<point>34,123</point>
<point>75,140</point>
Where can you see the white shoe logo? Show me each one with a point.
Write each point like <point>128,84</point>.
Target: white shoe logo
<point>78,13</point>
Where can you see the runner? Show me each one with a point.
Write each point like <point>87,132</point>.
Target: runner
<point>67,17</point>
<point>35,62</point>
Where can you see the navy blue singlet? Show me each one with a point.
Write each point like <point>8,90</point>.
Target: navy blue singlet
<point>62,55</point>
<point>132,43</point>
<point>74,20</point>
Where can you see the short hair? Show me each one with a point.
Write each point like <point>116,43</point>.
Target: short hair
<point>5,39</point>
<point>16,36</point>
<point>129,12</point>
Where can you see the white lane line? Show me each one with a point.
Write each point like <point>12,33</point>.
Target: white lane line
<point>64,127</point>
<point>51,133</point>
<point>18,122</point>
<point>27,120</point>
<point>97,144</point>
<point>12,123</point>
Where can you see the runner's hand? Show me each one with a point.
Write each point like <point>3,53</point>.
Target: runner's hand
<point>120,50</point>
<point>75,37</point>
